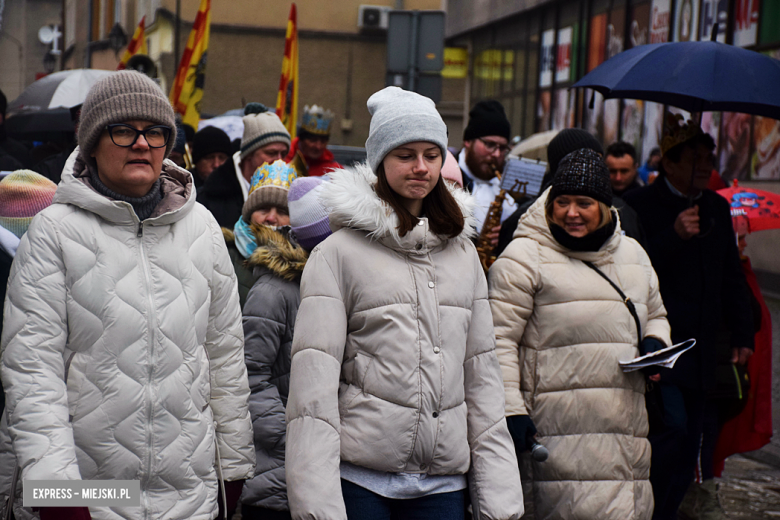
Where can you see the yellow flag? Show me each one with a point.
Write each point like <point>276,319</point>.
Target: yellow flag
<point>287,99</point>
<point>187,89</point>
<point>136,46</point>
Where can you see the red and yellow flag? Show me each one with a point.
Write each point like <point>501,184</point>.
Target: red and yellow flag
<point>187,90</point>
<point>136,46</point>
<point>287,99</point>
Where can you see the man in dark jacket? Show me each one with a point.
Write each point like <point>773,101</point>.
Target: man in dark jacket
<point>564,143</point>
<point>691,243</point>
<point>622,163</point>
<point>265,140</point>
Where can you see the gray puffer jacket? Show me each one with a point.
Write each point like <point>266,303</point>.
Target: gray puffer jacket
<point>394,366</point>
<point>269,320</point>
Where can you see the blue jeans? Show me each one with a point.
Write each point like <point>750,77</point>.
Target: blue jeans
<point>363,504</point>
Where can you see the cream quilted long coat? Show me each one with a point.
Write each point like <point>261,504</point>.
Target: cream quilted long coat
<point>560,331</point>
<point>123,350</point>
<point>393,361</point>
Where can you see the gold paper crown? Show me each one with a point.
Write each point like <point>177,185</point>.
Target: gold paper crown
<point>676,131</point>
<point>316,120</point>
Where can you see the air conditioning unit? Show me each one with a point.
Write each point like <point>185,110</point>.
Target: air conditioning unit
<point>373,17</point>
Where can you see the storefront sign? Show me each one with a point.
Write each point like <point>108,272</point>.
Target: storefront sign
<point>563,56</point>
<point>745,22</point>
<point>546,72</point>
<point>659,21</point>
<point>712,12</point>
<point>456,63</point>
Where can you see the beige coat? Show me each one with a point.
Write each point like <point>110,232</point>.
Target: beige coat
<point>560,331</point>
<point>393,365</point>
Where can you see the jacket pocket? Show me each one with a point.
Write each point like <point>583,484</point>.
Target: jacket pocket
<point>360,370</point>
<point>73,382</point>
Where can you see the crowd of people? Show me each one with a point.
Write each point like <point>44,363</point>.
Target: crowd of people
<point>270,331</point>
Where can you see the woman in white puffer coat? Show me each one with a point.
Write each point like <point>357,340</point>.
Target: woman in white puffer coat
<point>122,342</point>
<point>395,391</point>
<point>561,329</point>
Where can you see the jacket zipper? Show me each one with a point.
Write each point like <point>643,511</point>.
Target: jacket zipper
<point>150,357</point>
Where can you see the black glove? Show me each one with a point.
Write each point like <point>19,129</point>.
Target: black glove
<point>648,346</point>
<point>522,430</point>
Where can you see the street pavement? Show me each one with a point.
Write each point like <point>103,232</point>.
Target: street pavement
<point>750,487</point>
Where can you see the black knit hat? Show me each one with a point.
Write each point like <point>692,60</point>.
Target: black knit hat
<point>583,172</point>
<point>566,142</point>
<point>209,140</point>
<point>487,118</point>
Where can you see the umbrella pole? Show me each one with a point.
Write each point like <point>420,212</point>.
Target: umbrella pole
<point>696,118</point>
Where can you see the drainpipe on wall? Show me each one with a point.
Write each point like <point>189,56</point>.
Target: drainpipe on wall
<point>88,52</point>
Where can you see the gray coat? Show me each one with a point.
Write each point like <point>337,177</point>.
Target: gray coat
<point>269,318</point>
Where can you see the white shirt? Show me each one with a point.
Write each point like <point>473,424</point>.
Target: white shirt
<point>241,180</point>
<point>485,192</point>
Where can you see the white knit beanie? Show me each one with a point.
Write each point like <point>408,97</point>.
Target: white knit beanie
<point>399,117</point>
<point>261,129</point>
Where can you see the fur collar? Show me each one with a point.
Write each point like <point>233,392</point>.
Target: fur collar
<point>352,202</point>
<point>274,252</point>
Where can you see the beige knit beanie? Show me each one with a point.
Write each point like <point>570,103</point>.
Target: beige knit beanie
<point>261,127</point>
<point>120,97</point>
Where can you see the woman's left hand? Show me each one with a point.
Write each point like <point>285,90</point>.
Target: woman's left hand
<point>654,378</point>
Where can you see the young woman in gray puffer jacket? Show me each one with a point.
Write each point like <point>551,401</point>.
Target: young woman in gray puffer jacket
<point>395,390</point>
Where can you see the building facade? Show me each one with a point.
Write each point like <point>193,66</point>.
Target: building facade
<point>340,63</point>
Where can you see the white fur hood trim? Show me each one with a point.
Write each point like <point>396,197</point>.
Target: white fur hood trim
<point>351,202</point>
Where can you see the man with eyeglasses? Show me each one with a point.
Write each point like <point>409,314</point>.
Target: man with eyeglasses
<point>485,145</point>
<point>265,140</point>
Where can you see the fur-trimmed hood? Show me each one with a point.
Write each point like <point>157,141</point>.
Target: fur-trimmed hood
<point>352,202</point>
<point>274,252</point>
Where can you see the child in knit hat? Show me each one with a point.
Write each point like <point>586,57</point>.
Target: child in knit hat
<point>266,206</point>
<point>269,324</point>
<point>23,194</point>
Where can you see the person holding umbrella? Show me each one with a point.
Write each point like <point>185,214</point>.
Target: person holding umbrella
<point>690,241</point>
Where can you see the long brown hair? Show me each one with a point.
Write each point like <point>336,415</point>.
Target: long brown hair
<point>442,210</point>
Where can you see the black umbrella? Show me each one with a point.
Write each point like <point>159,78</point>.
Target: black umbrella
<point>695,76</point>
<point>40,125</point>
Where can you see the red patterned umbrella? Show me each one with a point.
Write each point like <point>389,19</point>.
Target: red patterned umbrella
<point>760,208</point>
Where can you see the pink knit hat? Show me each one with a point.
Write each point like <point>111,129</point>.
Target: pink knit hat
<point>451,171</point>
<point>23,194</point>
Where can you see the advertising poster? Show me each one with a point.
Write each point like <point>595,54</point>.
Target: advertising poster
<point>546,69</point>
<point>686,21</point>
<point>766,143</point>
<point>597,42</point>
<point>745,22</point>
<point>615,32</point>
<point>654,118</point>
<point>712,12</point>
<point>660,15</point>
<point>735,146</point>
<point>609,133</point>
<point>563,114</point>
<point>633,121</point>
<point>639,30</point>
<point>456,63</point>
<point>543,111</point>
<point>710,124</point>
<point>564,54</point>
<point>593,117</point>
<point>634,110</point>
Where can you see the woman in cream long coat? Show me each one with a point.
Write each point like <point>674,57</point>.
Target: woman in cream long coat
<point>560,330</point>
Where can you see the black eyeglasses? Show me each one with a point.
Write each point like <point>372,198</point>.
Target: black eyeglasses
<point>126,136</point>
<point>492,146</point>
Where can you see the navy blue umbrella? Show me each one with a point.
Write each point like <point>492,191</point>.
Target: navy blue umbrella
<point>695,76</point>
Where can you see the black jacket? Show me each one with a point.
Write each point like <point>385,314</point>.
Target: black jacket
<point>222,195</point>
<point>52,167</point>
<point>701,279</point>
<point>15,149</point>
